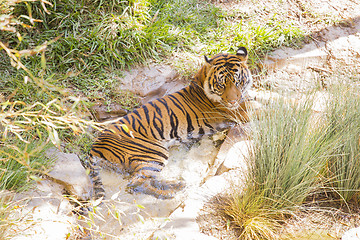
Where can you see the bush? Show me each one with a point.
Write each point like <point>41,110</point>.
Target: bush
<point>291,149</point>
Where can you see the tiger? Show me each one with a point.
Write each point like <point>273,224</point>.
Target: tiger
<point>135,143</point>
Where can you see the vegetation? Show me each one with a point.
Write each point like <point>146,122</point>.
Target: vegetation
<point>97,40</point>
<point>297,156</point>
<point>343,168</point>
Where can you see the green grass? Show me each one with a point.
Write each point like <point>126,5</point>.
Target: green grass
<point>286,167</point>
<point>95,39</point>
<point>260,38</point>
<point>343,168</point>
<point>296,156</point>
<point>20,161</point>
<point>102,37</point>
<point>13,86</point>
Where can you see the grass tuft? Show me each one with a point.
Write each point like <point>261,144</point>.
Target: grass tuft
<point>251,216</point>
<point>343,167</point>
<point>298,155</point>
<point>285,168</point>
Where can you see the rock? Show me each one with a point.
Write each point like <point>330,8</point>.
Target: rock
<point>236,157</point>
<point>175,234</point>
<point>182,224</point>
<point>144,80</point>
<point>69,172</point>
<point>234,151</point>
<point>219,184</point>
<point>43,214</point>
<point>103,112</point>
<point>284,57</point>
<point>352,234</point>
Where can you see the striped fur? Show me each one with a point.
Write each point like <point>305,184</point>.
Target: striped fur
<point>135,142</point>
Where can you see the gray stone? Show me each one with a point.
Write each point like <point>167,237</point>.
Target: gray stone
<point>236,157</point>
<point>43,214</point>
<point>234,151</point>
<point>69,172</point>
<point>144,80</point>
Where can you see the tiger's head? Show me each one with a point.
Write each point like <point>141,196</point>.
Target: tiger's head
<point>226,78</point>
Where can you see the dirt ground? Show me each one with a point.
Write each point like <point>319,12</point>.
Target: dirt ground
<point>331,52</point>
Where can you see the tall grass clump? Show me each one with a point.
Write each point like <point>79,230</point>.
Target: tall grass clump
<point>290,150</point>
<point>344,166</point>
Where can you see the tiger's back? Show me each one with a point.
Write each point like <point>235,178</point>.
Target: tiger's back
<point>135,142</point>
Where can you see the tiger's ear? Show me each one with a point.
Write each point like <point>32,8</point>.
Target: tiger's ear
<point>242,52</point>
<point>206,59</point>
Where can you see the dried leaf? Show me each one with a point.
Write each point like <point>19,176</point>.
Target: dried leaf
<point>54,137</point>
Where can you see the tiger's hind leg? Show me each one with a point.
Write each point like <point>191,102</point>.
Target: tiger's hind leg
<point>141,157</point>
<point>152,186</point>
<point>145,180</point>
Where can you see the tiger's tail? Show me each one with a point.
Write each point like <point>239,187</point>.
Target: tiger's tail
<point>94,174</point>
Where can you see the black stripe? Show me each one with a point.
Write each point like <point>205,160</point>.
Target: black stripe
<point>137,113</point>
<point>141,126</point>
<point>191,106</point>
<point>118,127</point>
<point>201,131</point>
<point>158,110</point>
<point>160,129</point>
<point>131,146</point>
<point>127,144</point>
<point>102,155</point>
<point>174,123</point>
<point>208,125</point>
<point>141,158</point>
<point>172,98</point>
<point>163,102</point>
<point>149,150</point>
<point>150,141</point>
<point>190,127</point>
<point>146,111</point>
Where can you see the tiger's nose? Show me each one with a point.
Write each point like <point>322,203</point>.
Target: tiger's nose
<point>233,102</point>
